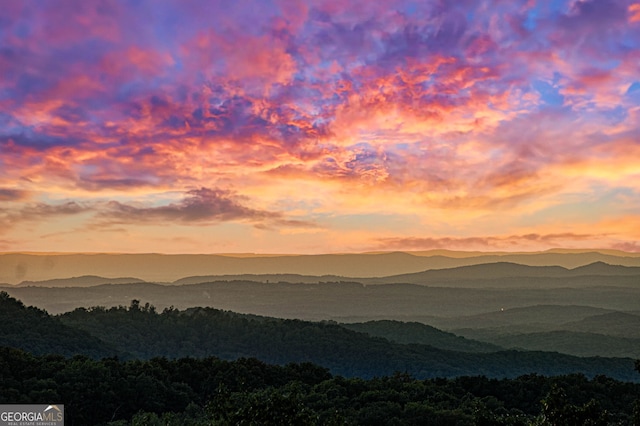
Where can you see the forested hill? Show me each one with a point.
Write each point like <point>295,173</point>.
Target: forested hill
<point>138,331</point>
<point>414,332</point>
<point>198,392</point>
<point>35,331</point>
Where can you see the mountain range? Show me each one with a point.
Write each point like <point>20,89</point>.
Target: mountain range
<point>588,309</point>
<point>500,274</point>
<point>18,267</point>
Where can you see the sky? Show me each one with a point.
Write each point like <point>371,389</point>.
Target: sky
<point>319,126</point>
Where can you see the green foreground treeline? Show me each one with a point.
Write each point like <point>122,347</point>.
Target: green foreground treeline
<point>133,365</point>
<point>210,391</point>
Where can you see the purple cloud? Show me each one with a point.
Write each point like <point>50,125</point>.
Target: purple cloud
<point>36,212</point>
<point>199,206</point>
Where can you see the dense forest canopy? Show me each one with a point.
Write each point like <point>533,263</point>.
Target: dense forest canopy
<point>206,391</point>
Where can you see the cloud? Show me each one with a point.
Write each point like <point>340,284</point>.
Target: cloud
<point>629,246</point>
<point>8,194</point>
<point>466,107</point>
<point>42,211</point>
<point>634,12</point>
<point>6,245</point>
<point>201,206</point>
<point>36,140</point>
<point>486,242</point>
<point>593,15</point>
<point>97,184</point>
<point>39,212</point>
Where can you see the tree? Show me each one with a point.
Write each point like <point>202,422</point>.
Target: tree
<point>557,411</point>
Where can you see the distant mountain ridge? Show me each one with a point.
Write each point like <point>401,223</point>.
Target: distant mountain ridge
<point>266,278</point>
<point>563,341</point>
<point>84,281</point>
<point>572,343</point>
<point>529,316</point>
<point>575,330</point>
<point>619,324</point>
<point>497,272</point>
<point>18,267</point>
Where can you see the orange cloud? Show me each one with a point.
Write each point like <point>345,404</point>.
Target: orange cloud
<point>634,12</point>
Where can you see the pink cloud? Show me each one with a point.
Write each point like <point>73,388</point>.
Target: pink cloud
<point>630,246</point>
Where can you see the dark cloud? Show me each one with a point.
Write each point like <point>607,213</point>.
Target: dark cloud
<point>591,28</point>
<point>199,206</point>
<point>37,140</point>
<point>445,35</point>
<point>71,113</point>
<point>592,15</point>
<point>510,174</point>
<point>41,212</point>
<point>8,194</point>
<point>346,41</point>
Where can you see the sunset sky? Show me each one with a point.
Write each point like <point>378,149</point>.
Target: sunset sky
<point>319,126</point>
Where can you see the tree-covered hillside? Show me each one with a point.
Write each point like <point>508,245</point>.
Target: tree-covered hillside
<point>37,332</point>
<point>199,332</point>
<point>169,370</point>
<point>414,332</point>
<point>210,391</point>
<point>139,331</point>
